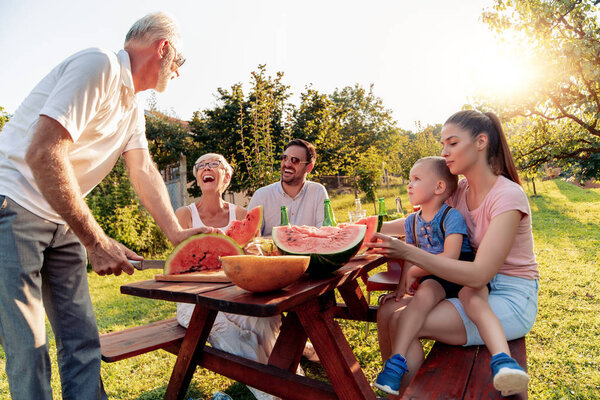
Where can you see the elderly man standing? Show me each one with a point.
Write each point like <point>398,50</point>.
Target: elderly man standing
<point>303,199</point>
<point>62,141</point>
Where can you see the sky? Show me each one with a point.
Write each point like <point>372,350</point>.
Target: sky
<point>426,59</point>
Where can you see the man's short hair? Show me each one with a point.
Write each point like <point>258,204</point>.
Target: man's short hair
<point>152,27</point>
<point>440,169</point>
<point>311,153</point>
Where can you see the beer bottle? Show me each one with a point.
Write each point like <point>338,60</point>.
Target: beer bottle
<point>284,216</point>
<point>328,217</point>
<point>382,215</point>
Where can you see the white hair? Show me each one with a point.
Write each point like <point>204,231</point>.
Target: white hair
<point>153,27</point>
<point>224,164</point>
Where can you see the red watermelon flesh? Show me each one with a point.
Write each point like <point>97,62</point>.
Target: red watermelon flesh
<point>245,230</point>
<point>329,247</point>
<point>371,223</point>
<point>200,253</point>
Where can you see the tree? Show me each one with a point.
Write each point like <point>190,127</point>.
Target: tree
<point>117,209</point>
<point>426,142</point>
<point>318,121</point>
<point>369,172</point>
<point>249,131</point>
<point>562,113</point>
<point>168,137</point>
<point>4,117</point>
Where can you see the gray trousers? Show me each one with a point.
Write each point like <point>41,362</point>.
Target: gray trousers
<point>43,267</point>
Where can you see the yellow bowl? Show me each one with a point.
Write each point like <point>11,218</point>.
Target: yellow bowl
<point>264,274</point>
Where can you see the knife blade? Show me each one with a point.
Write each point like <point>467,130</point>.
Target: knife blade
<point>147,264</point>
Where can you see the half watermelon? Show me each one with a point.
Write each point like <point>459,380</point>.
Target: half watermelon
<point>329,247</point>
<point>371,223</point>
<point>245,230</point>
<point>200,253</point>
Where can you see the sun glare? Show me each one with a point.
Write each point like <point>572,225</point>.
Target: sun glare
<point>503,73</point>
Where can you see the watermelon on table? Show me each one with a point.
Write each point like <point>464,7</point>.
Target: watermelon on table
<point>245,230</point>
<point>329,247</point>
<point>201,253</point>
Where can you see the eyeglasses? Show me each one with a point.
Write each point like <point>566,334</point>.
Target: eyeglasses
<point>179,58</point>
<point>209,164</point>
<point>293,160</point>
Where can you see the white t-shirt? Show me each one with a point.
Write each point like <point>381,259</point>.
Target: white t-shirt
<point>91,95</point>
<point>304,209</point>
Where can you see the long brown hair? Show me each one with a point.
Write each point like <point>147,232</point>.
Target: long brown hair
<point>498,153</point>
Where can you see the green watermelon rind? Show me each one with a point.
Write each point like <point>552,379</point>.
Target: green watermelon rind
<point>183,244</point>
<point>325,263</point>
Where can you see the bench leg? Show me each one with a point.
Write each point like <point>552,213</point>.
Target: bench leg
<point>190,352</point>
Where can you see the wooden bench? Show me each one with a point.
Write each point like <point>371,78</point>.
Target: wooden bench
<point>449,372</point>
<point>166,334</point>
<point>456,372</point>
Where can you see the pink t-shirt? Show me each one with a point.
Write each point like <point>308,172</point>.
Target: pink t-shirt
<point>504,196</point>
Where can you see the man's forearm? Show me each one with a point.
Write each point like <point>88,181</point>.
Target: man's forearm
<point>151,189</point>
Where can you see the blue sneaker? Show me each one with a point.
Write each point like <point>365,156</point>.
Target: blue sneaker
<point>390,377</point>
<point>509,377</point>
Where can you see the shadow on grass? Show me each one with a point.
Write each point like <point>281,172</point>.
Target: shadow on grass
<point>576,194</point>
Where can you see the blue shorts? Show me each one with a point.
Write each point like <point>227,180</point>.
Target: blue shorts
<point>514,301</point>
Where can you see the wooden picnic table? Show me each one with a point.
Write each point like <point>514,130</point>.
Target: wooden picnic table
<point>310,308</point>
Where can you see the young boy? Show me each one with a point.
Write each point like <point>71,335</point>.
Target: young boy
<point>440,229</point>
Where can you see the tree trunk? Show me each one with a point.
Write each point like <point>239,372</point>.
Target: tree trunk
<point>533,183</point>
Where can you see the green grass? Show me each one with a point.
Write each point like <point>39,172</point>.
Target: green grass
<point>563,346</point>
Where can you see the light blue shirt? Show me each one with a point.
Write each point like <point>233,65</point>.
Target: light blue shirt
<point>304,209</point>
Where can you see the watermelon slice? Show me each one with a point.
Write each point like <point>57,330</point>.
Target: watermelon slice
<point>329,247</point>
<point>200,253</point>
<point>245,230</point>
<point>371,223</point>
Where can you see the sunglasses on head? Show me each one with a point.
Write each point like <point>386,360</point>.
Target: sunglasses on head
<point>293,160</point>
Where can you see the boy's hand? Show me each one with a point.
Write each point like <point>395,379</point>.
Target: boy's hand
<point>397,295</point>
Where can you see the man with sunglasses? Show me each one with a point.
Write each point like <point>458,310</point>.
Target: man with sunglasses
<point>303,199</point>
<point>62,141</point>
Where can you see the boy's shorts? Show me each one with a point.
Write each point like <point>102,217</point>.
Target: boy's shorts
<point>451,288</point>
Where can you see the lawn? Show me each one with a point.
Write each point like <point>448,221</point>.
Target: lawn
<point>563,346</point>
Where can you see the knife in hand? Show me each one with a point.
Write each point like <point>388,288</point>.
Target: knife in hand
<point>147,264</point>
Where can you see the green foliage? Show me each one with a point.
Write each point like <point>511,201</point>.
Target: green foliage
<point>369,171</point>
<point>318,120</point>
<point>250,131</point>
<point>117,209</point>
<point>559,120</point>
<point>4,117</point>
<point>168,137</point>
<point>426,142</point>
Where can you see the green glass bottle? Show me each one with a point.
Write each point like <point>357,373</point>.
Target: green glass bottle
<point>284,216</point>
<point>382,215</point>
<point>328,217</point>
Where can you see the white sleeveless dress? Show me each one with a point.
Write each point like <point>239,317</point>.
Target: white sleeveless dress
<point>246,336</point>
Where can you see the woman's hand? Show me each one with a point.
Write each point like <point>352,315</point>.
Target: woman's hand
<point>388,246</point>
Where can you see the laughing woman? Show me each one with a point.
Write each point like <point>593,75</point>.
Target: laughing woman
<point>250,337</point>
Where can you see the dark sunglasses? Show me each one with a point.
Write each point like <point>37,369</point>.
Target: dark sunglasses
<point>293,160</point>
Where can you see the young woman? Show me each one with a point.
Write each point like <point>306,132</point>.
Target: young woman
<point>250,337</point>
<point>498,218</point>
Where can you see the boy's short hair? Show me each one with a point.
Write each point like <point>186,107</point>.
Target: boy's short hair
<point>439,167</point>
